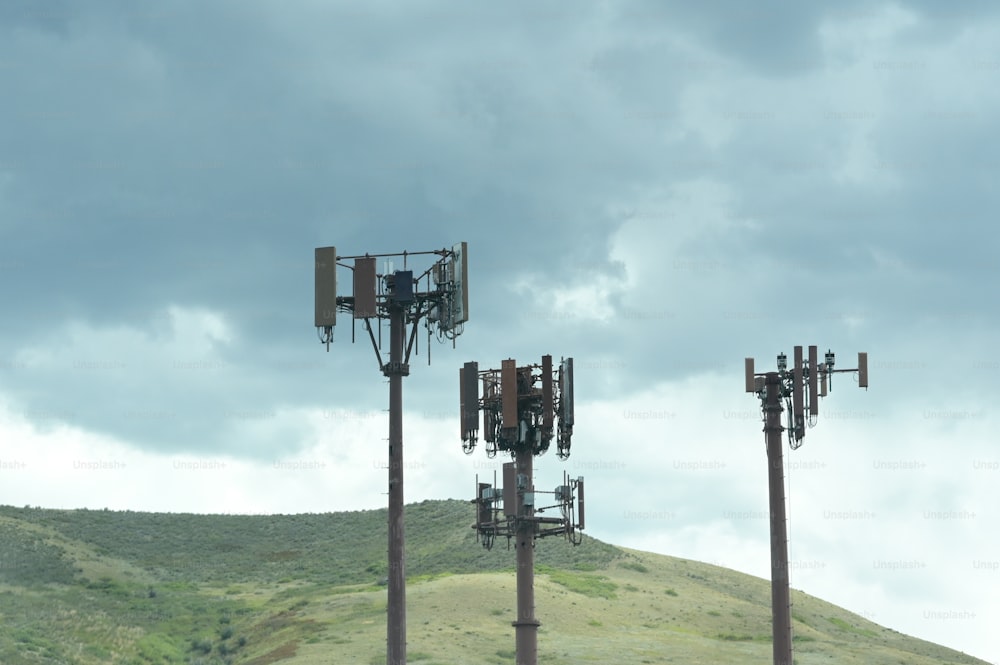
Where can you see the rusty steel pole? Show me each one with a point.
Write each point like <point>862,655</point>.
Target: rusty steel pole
<point>396,370</point>
<point>781,628</point>
<point>526,626</point>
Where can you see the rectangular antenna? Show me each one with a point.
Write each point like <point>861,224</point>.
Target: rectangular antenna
<point>460,273</point>
<point>508,393</point>
<point>748,375</point>
<point>484,516</point>
<point>547,392</point>
<point>797,387</point>
<point>364,288</point>
<point>566,393</point>
<point>469,402</point>
<point>579,502</point>
<point>402,286</point>
<point>509,489</point>
<point>862,369</point>
<point>461,404</point>
<point>326,287</point>
<point>813,380</point>
<point>824,382</point>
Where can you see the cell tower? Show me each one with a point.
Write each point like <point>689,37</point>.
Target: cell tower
<point>771,388</point>
<point>520,407</point>
<point>440,296</point>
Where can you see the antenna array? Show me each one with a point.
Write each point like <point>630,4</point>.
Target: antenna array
<point>524,408</point>
<point>799,388</point>
<point>439,296</point>
<point>814,376</point>
<point>520,406</point>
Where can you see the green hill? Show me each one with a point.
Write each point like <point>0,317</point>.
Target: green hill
<point>87,586</point>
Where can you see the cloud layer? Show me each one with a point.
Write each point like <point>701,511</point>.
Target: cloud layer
<point>656,189</point>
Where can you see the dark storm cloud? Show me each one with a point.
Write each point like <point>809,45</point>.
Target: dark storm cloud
<point>52,17</point>
<point>772,37</point>
<point>154,164</point>
<point>192,156</point>
<point>208,153</point>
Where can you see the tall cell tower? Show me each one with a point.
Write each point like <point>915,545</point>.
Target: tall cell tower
<point>439,296</point>
<point>773,388</point>
<point>520,407</point>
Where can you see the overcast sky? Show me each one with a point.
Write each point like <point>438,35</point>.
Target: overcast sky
<point>655,189</point>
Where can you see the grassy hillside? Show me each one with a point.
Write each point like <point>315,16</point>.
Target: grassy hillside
<point>122,587</point>
<point>332,548</point>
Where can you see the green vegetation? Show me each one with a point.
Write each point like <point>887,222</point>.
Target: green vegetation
<point>595,586</point>
<point>27,559</point>
<point>330,548</point>
<point>128,588</point>
<point>632,565</point>
<point>843,625</point>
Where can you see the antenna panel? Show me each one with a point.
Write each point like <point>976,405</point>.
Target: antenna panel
<point>579,502</point>
<point>863,369</point>
<point>509,489</point>
<point>748,375</point>
<point>364,288</point>
<point>566,393</point>
<point>460,274</point>
<point>469,402</point>
<point>547,393</point>
<point>508,393</point>
<point>813,381</point>
<point>484,516</point>
<point>797,386</point>
<point>402,286</point>
<point>326,286</point>
<point>461,404</point>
